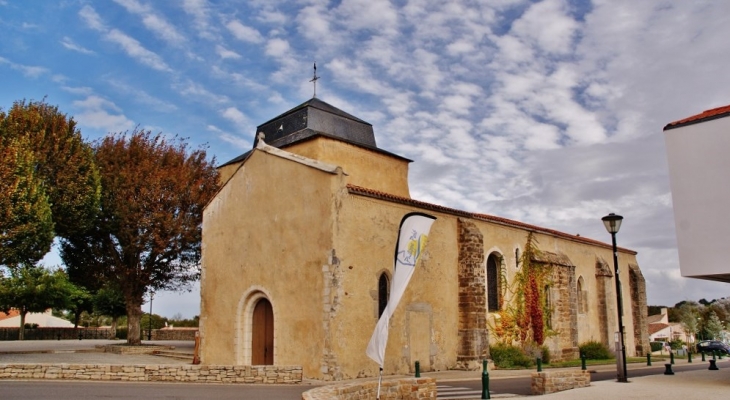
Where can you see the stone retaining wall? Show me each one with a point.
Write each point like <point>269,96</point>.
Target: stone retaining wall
<point>395,389</point>
<point>174,334</point>
<point>155,373</point>
<point>556,381</point>
<point>56,333</point>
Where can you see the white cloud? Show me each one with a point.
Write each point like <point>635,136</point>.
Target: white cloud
<point>69,44</point>
<point>92,19</point>
<point>199,10</point>
<point>99,113</point>
<point>142,97</point>
<point>243,32</point>
<point>225,53</point>
<point>234,115</point>
<point>135,50</point>
<point>29,71</point>
<point>277,48</point>
<point>227,137</point>
<point>154,22</point>
<point>195,91</point>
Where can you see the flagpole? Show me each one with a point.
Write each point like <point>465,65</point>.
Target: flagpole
<point>380,379</point>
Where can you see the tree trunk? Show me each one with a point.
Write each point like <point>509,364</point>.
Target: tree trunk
<point>134,313</point>
<point>114,327</point>
<point>77,317</point>
<point>21,332</point>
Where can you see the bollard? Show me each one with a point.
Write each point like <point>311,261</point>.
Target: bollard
<point>80,335</point>
<point>671,358</point>
<point>689,356</point>
<point>668,369</point>
<point>648,359</point>
<point>703,356</point>
<point>58,336</point>
<point>485,382</point>
<point>418,369</point>
<point>539,365</point>
<point>714,355</point>
<point>713,366</point>
<point>583,361</point>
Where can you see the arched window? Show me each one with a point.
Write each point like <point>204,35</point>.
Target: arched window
<point>383,293</point>
<point>582,296</point>
<point>548,309</point>
<point>493,284</point>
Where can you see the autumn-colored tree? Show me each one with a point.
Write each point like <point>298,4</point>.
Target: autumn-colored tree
<point>52,168</point>
<point>148,232</point>
<point>33,289</point>
<point>26,227</point>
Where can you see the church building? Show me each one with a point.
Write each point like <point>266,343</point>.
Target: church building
<point>298,249</point>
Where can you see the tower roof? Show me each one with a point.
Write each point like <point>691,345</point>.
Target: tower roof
<point>315,118</point>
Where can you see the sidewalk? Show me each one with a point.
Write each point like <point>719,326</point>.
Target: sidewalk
<point>683,385</point>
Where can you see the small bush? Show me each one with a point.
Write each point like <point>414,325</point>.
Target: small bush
<point>595,351</point>
<point>545,355</point>
<point>676,344</point>
<point>656,346</point>
<point>122,333</point>
<point>505,356</point>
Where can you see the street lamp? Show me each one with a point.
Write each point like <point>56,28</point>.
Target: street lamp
<point>149,332</point>
<point>613,223</point>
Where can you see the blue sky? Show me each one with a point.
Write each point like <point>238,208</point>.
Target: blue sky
<point>548,112</point>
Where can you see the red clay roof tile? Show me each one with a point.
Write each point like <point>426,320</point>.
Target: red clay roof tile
<point>705,115</point>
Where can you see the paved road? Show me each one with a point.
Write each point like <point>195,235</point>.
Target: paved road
<point>75,390</point>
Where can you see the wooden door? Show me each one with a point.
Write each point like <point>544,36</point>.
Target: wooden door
<point>262,346</point>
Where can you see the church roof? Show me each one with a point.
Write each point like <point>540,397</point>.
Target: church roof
<point>706,115</point>
<point>315,118</point>
<point>483,217</point>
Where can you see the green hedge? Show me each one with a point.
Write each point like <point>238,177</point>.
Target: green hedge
<point>595,351</point>
<point>505,356</point>
<point>656,346</point>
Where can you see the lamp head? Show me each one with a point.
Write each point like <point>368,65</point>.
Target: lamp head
<point>612,222</point>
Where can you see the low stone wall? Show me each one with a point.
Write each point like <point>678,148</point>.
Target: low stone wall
<point>56,333</point>
<point>155,373</point>
<point>556,381</point>
<point>174,334</point>
<point>395,389</point>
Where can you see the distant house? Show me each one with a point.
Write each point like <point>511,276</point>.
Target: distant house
<point>661,330</point>
<point>44,320</point>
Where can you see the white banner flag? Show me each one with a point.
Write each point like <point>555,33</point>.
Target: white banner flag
<point>412,237</point>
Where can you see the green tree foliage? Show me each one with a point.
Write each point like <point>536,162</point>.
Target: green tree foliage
<point>33,289</point>
<point>26,226</point>
<point>148,231</point>
<point>713,326</point>
<point>50,184</point>
<point>79,300</point>
<point>688,315</point>
<point>109,301</point>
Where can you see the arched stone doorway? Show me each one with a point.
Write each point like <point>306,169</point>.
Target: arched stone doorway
<point>262,334</point>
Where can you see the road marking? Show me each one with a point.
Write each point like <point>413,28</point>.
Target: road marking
<point>446,392</point>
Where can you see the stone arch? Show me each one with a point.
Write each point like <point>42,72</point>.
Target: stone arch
<point>244,323</point>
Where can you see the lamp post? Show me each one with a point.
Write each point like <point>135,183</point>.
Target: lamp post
<point>149,332</point>
<point>613,223</point>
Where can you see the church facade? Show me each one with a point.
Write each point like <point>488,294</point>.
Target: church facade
<point>298,256</point>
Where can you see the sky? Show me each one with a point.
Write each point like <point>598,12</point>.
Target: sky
<point>547,112</point>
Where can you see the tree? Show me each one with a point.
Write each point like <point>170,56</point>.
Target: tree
<point>713,326</point>
<point>49,178</point>
<point>26,226</point>
<point>109,301</point>
<point>79,300</point>
<point>148,231</point>
<point>33,289</point>
<point>688,315</point>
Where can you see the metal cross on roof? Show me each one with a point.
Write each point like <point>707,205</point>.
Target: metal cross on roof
<point>314,80</point>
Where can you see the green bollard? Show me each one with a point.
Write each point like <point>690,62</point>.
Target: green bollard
<point>689,356</point>
<point>671,358</point>
<point>714,355</point>
<point>485,381</point>
<point>703,356</point>
<point>583,361</point>
<point>418,369</point>
<point>539,365</point>
<point>648,359</point>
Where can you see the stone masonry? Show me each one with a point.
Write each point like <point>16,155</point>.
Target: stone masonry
<point>394,389</point>
<point>473,336</point>
<point>267,374</point>
<point>603,285</point>
<point>557,381</point>
<point>639,309</point>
